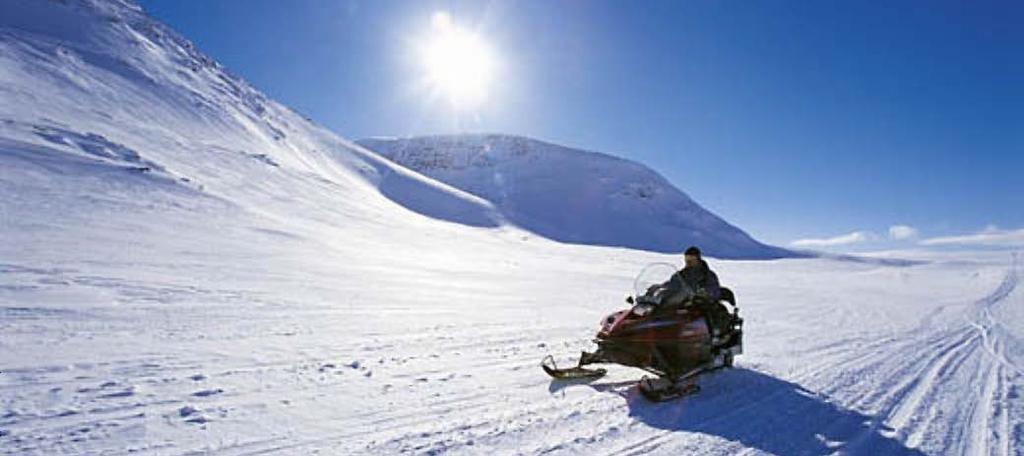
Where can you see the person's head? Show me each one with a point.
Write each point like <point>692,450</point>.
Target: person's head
<point>692,256</point>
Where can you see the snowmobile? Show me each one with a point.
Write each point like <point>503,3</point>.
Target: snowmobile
<point>666,334</point>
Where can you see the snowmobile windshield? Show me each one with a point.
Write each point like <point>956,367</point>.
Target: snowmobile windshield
<point>654,276</point>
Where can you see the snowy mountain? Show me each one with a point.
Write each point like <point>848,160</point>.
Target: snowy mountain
<point>572,195</point>
<point>100,86</point>
<point>188,267</point>
<point>125,91</point>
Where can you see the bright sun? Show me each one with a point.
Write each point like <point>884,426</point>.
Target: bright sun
<point>458,63</point>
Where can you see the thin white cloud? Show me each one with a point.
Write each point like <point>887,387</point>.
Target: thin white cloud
<point>902,232</point>
<point>846,239</point>
<point>990,236</point>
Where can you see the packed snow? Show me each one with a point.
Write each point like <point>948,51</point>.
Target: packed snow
<point>189,267</point>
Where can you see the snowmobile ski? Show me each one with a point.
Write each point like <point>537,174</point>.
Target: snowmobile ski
<point>571,373</point>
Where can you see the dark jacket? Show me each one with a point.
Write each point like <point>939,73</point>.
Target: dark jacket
<point>701,279</point>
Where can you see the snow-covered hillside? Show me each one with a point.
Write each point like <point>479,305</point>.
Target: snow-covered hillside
<point>99,85</point>
<point>187,267</point>
<point>573,195</point>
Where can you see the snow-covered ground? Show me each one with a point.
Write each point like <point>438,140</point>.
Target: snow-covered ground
<point>189,267</point>
<point>296,346</point>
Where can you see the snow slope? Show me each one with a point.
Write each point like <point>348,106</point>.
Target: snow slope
<point>187,267</point>
<point>573,195</point>
<point>101,83</point>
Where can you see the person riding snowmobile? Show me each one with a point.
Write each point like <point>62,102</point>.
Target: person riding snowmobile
<point>677,330</point>
<point>697,285</point>
<point>699,276</point>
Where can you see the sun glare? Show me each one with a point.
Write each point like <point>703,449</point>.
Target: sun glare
<point>458,63</point>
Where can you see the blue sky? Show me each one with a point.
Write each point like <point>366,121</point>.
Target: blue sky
<point>792,120</point>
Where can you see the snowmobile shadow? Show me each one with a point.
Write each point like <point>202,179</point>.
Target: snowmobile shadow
<point>767,413</point>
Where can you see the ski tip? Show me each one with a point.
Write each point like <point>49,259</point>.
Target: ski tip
<point>571,373</point>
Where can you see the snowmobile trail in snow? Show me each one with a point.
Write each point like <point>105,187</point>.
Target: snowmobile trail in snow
<point>414,382</point>
<point>917,392</point>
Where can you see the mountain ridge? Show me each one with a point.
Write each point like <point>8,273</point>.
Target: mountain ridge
<point>126,90</point>
<point>608,200</point>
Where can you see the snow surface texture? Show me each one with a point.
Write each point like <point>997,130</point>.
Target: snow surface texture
<point>571,195</point>
<point>187,267</point>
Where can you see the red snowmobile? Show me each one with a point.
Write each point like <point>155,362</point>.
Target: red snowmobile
<point>669,336</point>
